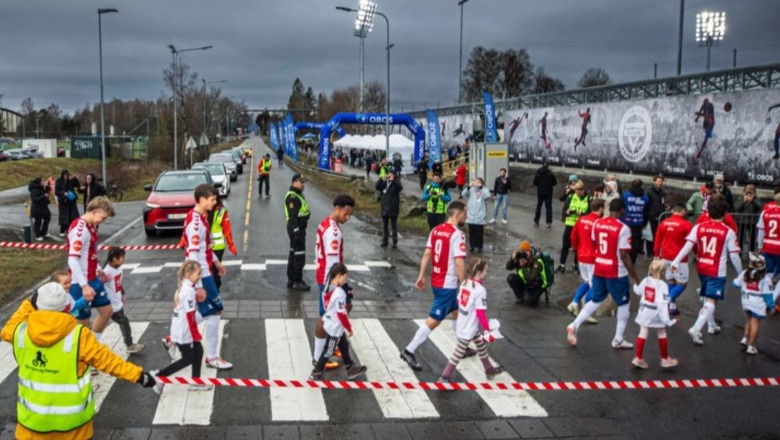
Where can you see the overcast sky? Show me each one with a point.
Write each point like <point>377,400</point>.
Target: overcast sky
<point>49,48</point>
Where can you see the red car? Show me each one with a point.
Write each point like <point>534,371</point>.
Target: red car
<point>171,198</point>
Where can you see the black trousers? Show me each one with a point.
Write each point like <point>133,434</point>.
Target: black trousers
<point>423,179</point>
<point>217,278</point>
<point>435,220</point>
<point>566,244</point>
<point>476,236</point>
<point>124,326</point>
<point>42,223</point>
<point>744,231</point>
<point>264,178</point>
<point>649,244</point>
<point>297,257</point>
<point>528,293</point>
<point>392,222</point>
<point>547,201</point>
<point>191,354</point>
<point>331,343</point>
<point>637,242</point>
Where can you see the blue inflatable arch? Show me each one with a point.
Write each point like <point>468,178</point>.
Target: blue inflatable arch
<point>317,126</point>
<point>369,119</point>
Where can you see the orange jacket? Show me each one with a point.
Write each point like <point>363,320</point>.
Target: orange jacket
<point>260,166</point>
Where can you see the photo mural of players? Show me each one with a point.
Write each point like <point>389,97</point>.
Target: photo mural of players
<point>543,128</point>
<point>584,133</point>
<point>707,111</point>
<point>777,133</point>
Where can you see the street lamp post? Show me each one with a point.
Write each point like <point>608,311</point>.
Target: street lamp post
<point>710,29</point>
<point>102,115</point>
<point>460,56</point>
<point>680,37</point>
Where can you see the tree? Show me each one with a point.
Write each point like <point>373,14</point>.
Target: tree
<point>374,98</point>
<point>506,73</point>
<point>301,102</point>
<point>594,77</point>
<point>544,83</point>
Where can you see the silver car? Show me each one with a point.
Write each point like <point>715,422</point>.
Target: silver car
<point>229,162</point>
<point>219,174</point>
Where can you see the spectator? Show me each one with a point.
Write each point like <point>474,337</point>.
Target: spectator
<point>437,167</point>
<point>611,178</point>
<point>39,209</point>
<point>526,279</point>
<point>610,193</point>
<point>721,188</point>
<point>576,204</point>
<point>390,201</point>
<point>697,202</point>
<point>476,209</point>
<point>65,190</point>
<point>422,171</point>
<point>369,162</point>
<point>635,215</point>
<point>398,165</point>
<point>656,206</point>
<point>501,188</point>
<point>437,196</point>
<point>748,209</point>
<point>91,189</point>
<point>460,178</point>
<point>544,181</point>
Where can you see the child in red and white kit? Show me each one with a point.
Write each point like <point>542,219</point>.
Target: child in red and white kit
<point>112,280</point>
<point>653,313</point>
<point>756,287</point>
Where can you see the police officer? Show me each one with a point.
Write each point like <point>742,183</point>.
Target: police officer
<point>436,195</point>
<point>264,172</point>
<point>296,212</point>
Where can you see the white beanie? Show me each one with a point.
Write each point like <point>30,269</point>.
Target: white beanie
<point>51,296</point>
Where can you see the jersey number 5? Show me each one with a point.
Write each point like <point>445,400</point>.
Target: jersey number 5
<point>603,245</point>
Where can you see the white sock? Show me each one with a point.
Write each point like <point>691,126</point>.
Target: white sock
<point>455,324</point>
<point>319,347</point>
<point>587,310</point>
<point>98,335</point>
<point>622,319</point>
<point>711,319</point>
<point>212,335</point>
<point>704,314</point>
<point>419,338</point>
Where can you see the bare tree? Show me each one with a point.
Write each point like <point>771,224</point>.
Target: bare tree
<point>544,83</point>
<point>506,73</point>
<point>594,77</point>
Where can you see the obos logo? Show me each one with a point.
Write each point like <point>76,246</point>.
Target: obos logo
<point>635,134</point>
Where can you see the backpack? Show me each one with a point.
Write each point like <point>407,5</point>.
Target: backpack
<point>548,264</point>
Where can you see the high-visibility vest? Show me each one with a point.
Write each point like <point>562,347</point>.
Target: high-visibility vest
<point>542,275</point>
<point>303,212</point>
<point>52,396</point>
<point>577,207</point>
<point>435,192</point>
<point>217,236</point>
<point>266,166</point>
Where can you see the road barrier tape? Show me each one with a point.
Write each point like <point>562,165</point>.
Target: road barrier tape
<point>484,386</point>
<point>62,247</point>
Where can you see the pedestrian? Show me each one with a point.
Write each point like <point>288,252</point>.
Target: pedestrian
<point>698,201</point>
<point>656,206</point>
<point>477,196</point>
<point>55,390</point>
<point>384,167</point>
<point>67,200</point>
<point>722,188</point>
<point>610,193</point>
<point>112,279</point>
<point>436,195</point>
<point>264,172</point>
<point>749,210</point>
<point>296,214</point>
<point>336,325</point>
<point>437,167</point>
<point>390,205</point>
<point>460,178</point>
<point>728,220</point>
<point>583,245</point>
<point>635,216</point>
<point>501,188</point>
<point>756,286</point>
<point>398,165</point>
<point>91,189</point>
<point>422,172</point>
<point>446,250</point>
<point>714,241</point>
<point>669,241</point>
<point>184,327</point>
<point>39,209</point>
<point>653,313</point>
<point>369,162</point>
<point>221,236</point>
<point>280,157</point>
<point>544,181</point>
<point>611,272</point>
<point>329,250</point>
<point>527,279</point>
<point>576,203</point>
<point>472,316</point>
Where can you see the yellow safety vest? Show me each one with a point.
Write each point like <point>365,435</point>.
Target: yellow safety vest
<point>577,207</point>
<point>52,396</point>
<point>217,236</point>
<point>436,193</point>
<point>542,274</point>
<point>266,166</point>
<point>303,212</point>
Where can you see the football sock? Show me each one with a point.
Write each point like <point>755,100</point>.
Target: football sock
<point>212,335</point>
<point>639,348</point>
<point>704,314</point>
<point>663,347</point>
<point>622,320</point>
<point>319,347</point>
<point>587,310</point>
<point>675,291</point>
<point>419,338</point>
<point>580,293</point>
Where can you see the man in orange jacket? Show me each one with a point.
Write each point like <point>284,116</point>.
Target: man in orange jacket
<point>264,170</point>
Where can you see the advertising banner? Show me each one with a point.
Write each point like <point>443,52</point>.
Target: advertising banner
<point>433,134</point>
<point>291,137</point>
<point>274,138</point>
<point>491,124</point>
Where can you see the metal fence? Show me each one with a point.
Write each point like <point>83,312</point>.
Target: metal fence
<point>747,232</point>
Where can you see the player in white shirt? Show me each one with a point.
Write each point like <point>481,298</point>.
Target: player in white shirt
<point>112,279</point>
<point>472,306</point>
<point>756,286</point>
<point>653,313</point>
<point>715,242</point>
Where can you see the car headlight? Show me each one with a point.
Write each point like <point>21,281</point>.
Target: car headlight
<point>152,205</point>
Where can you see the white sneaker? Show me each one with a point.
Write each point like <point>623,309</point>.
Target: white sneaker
<point>751,350</point>
<point>714,330</point>
<point>639,363</point>
<point>134,348</point>
<point>669,363</point>
<point>622,344</point>
<point>204,387</point>
<point>218,363</point>
<point>573,308</point>
<point>743,341</point>
<point>38,238</point>
<point>571,335</point>
<point>695,336</point>
<point>158,386</point>
<point>503,221</point>
<point>591,320</point>
<point>492,220</point>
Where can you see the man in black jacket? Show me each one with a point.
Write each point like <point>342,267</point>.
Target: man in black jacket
<point>390,189</point>
<point>655,207</point>
<point>422,171</point>
<point>544,181</point>
<point>39,208</point>
<point>65,190</point>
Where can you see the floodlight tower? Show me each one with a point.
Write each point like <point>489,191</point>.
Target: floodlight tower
<point>363,25</point>
<point>710,29</point>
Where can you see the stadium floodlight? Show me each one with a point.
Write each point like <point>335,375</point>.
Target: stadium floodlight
<point>365,17</point>
<point>710,30</point>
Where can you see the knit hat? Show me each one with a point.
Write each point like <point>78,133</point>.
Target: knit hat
<point>573,177</point>
<point>51,296</point>
<point>525,246</point>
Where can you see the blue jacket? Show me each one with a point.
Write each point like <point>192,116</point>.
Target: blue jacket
<point>636,202</point>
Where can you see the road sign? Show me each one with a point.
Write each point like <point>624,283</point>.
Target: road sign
<point>191,145</point>
<point>204,140</point>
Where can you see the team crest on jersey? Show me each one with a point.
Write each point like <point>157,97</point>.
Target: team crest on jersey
<point>78,245</point>
<point>463,247</point>
<point>195,240</point>
<point>334,245</point>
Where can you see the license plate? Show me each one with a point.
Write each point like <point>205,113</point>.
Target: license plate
<point>177,216</point>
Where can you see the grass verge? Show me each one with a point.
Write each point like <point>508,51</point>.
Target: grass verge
<point>24,267</point>
<point>18,173</point>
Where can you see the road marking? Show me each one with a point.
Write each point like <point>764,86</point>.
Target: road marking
<point>112,338</point>
<point>136,268</point>
<point>142,270</point>
<point>289,357</point>
<point>378,352</point>
<point>359,268</point>
<point>227,263</point>
<point>253,266</point>
<point>270,262</point>
<point>378,264</point>
<point>508,403</point>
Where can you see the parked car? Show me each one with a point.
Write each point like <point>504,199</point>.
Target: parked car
<point>239,158</point>
<point>229,161</point>
<point>171,198</point>
<point>61,152</point>
<point>240,152</point>
<point>4,157</point>
<point>32,154</point>
<point>219,174</point>
<point>16,154</point>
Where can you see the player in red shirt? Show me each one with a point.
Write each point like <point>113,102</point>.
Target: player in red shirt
<point>728,220</point>
<point>714,241</point>
<point>612,269</point>
<point>585,250</point>
<point>769,235</point>
<point>446,250</point>
<point>669,240</point>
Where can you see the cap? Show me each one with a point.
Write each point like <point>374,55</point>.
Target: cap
<point>267,155</point>
<point>51,296</point>
<point>298,177</point>
<point>573,177</point>
<point>718,177</point>
<point>525,246</point>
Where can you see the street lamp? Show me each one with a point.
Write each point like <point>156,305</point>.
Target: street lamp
<point>174,54</point>
<point>460,56</point>
<point>205,83</point>
<point>102,116</point>
<point>710,29</point>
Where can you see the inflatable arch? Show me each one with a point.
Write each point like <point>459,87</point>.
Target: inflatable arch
<point>318,126</point>
<point>369,119</point>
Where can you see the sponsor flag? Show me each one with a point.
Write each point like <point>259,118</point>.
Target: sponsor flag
<point>433,136</point>
<point>491,124</point>
<point>274,138</point>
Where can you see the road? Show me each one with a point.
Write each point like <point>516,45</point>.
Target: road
<point>268,330</point>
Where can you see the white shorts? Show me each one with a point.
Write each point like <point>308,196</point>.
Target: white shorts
<point>681,276</point>
<point>586,271</point>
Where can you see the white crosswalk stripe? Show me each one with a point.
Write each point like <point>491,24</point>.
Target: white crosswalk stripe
<point>112,338</point>
<point>138,269</point>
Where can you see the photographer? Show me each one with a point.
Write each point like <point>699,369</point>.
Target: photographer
<point>437,196</point>
<point>526,279</point>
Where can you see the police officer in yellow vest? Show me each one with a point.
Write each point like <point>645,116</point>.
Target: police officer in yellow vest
<point>54,354</point>
<point>296,212</point>
<point>436,197</point>
<point>576,204</point>
<point>264,171</point>
<point>221,235</point>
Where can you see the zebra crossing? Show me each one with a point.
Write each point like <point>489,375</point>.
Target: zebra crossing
<point>287,351</point>
<point>140,269</point>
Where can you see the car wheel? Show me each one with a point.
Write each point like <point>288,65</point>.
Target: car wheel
<point>150,232</point>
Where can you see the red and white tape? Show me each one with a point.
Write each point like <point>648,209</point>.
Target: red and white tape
<point>484,386</point>
<point>62,247</point>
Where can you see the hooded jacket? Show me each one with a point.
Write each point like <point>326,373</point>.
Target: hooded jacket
<point>544,181</point>
<point>476,208</point>
<point>39,198</point>
<point>607,198</point>
<point>45,329</point>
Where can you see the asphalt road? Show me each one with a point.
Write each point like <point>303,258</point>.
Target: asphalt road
<point>269,331</point>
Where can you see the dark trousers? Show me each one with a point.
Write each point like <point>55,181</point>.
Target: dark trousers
<point>191,354</point>
<point>330,346</point>
<point>68,213</point>
<point>476,236</point>
<point>566,244</point>
<point>637,242</point>
<point>649,244</point>
<point>297,257</point>
<point>217,278</point>
<point>547,201</point>
<point>393,226</point>
<point>124,326</point>
<point>435,220</point>
<point>528,293</point>
<point>744,231</point>
<point>42,223</point>
<point>264,178</point>
<point>423,179</point>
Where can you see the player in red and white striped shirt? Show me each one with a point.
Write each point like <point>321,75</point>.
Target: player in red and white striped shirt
<point>582,243</point>
<point>669,240</point>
